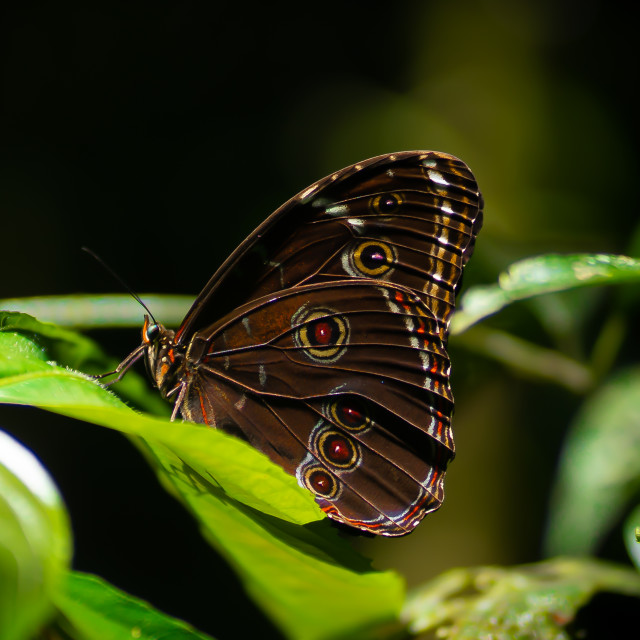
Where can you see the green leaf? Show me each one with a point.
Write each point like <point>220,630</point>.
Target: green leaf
<point>270,529</point>
<point>35,541</point>
<point>532,601</point>
<point>99,611</point>
<point>543,274</point>
<point>50,343</point>
<point>600,468</point>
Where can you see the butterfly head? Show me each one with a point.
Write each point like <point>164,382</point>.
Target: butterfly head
<point>163,357</point>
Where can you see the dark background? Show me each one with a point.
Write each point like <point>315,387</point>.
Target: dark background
<point>160,134</point>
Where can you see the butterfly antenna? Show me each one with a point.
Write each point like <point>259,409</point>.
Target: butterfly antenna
<point>120,281</point>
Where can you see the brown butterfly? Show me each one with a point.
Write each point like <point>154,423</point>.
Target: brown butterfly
<point>322,339</point>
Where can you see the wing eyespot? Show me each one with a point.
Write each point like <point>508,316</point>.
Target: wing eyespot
<point>337,450</point>
<point>370,259</point>
<point>319,481</point>
<point>321,333</point>
<point>386,203</point>
<point>349,414</point>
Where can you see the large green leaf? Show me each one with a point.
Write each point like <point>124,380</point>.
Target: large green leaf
<point>268,527</point>
<point>35,541</point>
<point>599,468</point>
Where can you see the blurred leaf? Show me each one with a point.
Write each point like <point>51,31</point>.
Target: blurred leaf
<point>249,508</point>
<point>599,469</point>
<point>528,358</point>
<point>35,541</point>
<point>544,274</point>
<point>99,611</point>
<point>532,601</point>
<point>631,534</point>
<point>105,311</point>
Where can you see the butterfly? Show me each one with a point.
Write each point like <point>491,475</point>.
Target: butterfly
<point>322,339</point>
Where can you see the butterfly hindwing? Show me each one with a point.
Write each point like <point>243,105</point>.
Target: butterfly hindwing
<point>339,383</point>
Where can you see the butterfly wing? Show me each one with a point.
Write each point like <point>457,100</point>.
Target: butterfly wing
<point>322,339</point>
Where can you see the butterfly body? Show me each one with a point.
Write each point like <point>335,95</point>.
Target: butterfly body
<point>322,339</point>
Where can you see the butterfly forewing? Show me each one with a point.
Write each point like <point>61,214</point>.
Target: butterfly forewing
<point>409,218</point>
<point>322,339</point>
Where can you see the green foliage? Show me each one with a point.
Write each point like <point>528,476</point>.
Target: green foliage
<point>527,280</point>
<point>271,531</point>
<point>540,275</point>
<point>532,601</point>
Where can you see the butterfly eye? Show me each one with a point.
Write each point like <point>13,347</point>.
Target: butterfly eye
<point>386,203</point>
<point>150,332</point>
